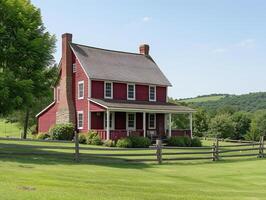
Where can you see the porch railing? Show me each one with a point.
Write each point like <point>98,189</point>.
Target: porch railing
<point>118,134</point>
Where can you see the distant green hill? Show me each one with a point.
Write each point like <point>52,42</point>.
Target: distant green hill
<point>247,102</point>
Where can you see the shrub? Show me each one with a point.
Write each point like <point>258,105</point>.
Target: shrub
<point>139,142</point>
<point>43,136</point>
<point>109,143</point>
<point>196,142</point>
<point>82,139</point>
<point>93,138</point>
<point>124,143</point>
<point>178,141</point>
<point>62,132</point>
<point>187,141</point>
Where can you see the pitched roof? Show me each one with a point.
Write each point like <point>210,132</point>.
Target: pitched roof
<point>112,65</point>
<point>141,106</point>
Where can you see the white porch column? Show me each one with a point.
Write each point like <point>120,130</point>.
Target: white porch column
<point>170,125</point>
<point>144,124</point>
<point>190,124</point>
<point>108,124</point>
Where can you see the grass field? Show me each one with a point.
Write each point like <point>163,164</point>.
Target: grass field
<point>9,129</point>
<point>202,99</point>
<point>58,177</point>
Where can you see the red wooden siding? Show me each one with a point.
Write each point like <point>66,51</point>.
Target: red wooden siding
<point>139,120</point>
<point>97,120</point>
<point>160,94</point>
<point>96,108</point>
<point>47,119</point>
<point>142,92</point>
<point>81,104</point>
<point>120,120</point>
<point>120,91</point>
<point>97,89</point>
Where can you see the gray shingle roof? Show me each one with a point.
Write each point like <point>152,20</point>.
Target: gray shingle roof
<point>142,106</point>
<point>119,66</point>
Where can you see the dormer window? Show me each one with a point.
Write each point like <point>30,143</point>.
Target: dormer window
<point>74,67</point>
<point>131,92</point>
<point>152,93</point>
<point>81,90</point>
<point>108,90</point>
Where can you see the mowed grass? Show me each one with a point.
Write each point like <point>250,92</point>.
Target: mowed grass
<point>202,99</point>
<point>56,176</point>
<point>9,129</point>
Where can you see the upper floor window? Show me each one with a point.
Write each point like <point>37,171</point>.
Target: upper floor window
<point>152,121</point>
<point>80,119</point>
<point>131,121</point>
<point>81,90</point>
<point>131,92</point>
<point>108,90</point>
<point>152,93</point>
<point>74,67</point>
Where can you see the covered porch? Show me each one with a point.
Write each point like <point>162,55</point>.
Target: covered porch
<point>116,119</point>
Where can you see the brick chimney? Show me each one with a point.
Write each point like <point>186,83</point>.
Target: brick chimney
<point>144,49</point>
<point>66,111</point>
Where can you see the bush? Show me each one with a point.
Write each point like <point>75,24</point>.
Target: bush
<point>187,141</point>
<point>82,139</point>
<point>109,143</point>
<point>140,142</point>
<point>93,138</point>
<point>124,143</point>
<point>195,142</point>
<point>43,136</point>
<point>62,132</point>
<point>178,141</point>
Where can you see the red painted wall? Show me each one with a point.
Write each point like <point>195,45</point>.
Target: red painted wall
<point>160,94</point>
<point>97,120</point>
<point>97,89</point>
<point>47,119</point>
<point>142,92</point>
<point>120,120</point>
<point>139,120</point>
<point>96,108</point>
<point>81,104</point>
<point>120,91</point>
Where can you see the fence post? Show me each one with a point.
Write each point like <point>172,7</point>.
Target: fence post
<point>217,149</point>
<point>214,152</point>
<point>159,151</point>
<point>76,146</point>
<point>261,148</point>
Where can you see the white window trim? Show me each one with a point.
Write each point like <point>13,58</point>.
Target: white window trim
<point>154,120</point>
<point>131,128</point>
<point>113,121</point>
<point>79,83</point>
<point>154,93</point>
<point>105,90</point>
<point>80,112</point>
<point>74,68</point>
<point>134,91</point>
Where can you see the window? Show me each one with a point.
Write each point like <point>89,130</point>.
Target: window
<point>111,120</point>
<point>80,119</point>
<point>108,90</point>
<point>81,90</point>
<point>58,94</point>
<point>131,121</point>
<point>74,67</point>
<point>152,121</point>
<point>131,92</point>
<point>152,93</point>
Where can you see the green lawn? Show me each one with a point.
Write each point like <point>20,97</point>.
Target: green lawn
<point>58,177</point>
<point>202,99</point>
<point>9,129</point>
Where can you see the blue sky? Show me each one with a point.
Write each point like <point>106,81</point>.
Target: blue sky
<point>202,46</point>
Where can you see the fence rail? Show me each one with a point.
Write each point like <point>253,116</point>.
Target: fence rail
<point>157,153</point>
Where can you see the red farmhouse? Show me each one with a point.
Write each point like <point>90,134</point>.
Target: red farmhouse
<point>114,93</point>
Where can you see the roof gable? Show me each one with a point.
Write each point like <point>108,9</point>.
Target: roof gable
<point>111,65</point>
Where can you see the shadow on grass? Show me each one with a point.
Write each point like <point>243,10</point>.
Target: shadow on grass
<point>32,154</point>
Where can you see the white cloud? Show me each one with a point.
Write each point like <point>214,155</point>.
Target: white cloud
<point>146,19</point>
<point>219,50</point>
<point>247,43</point>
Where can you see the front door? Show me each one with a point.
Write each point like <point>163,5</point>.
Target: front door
<point>160,124</point>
